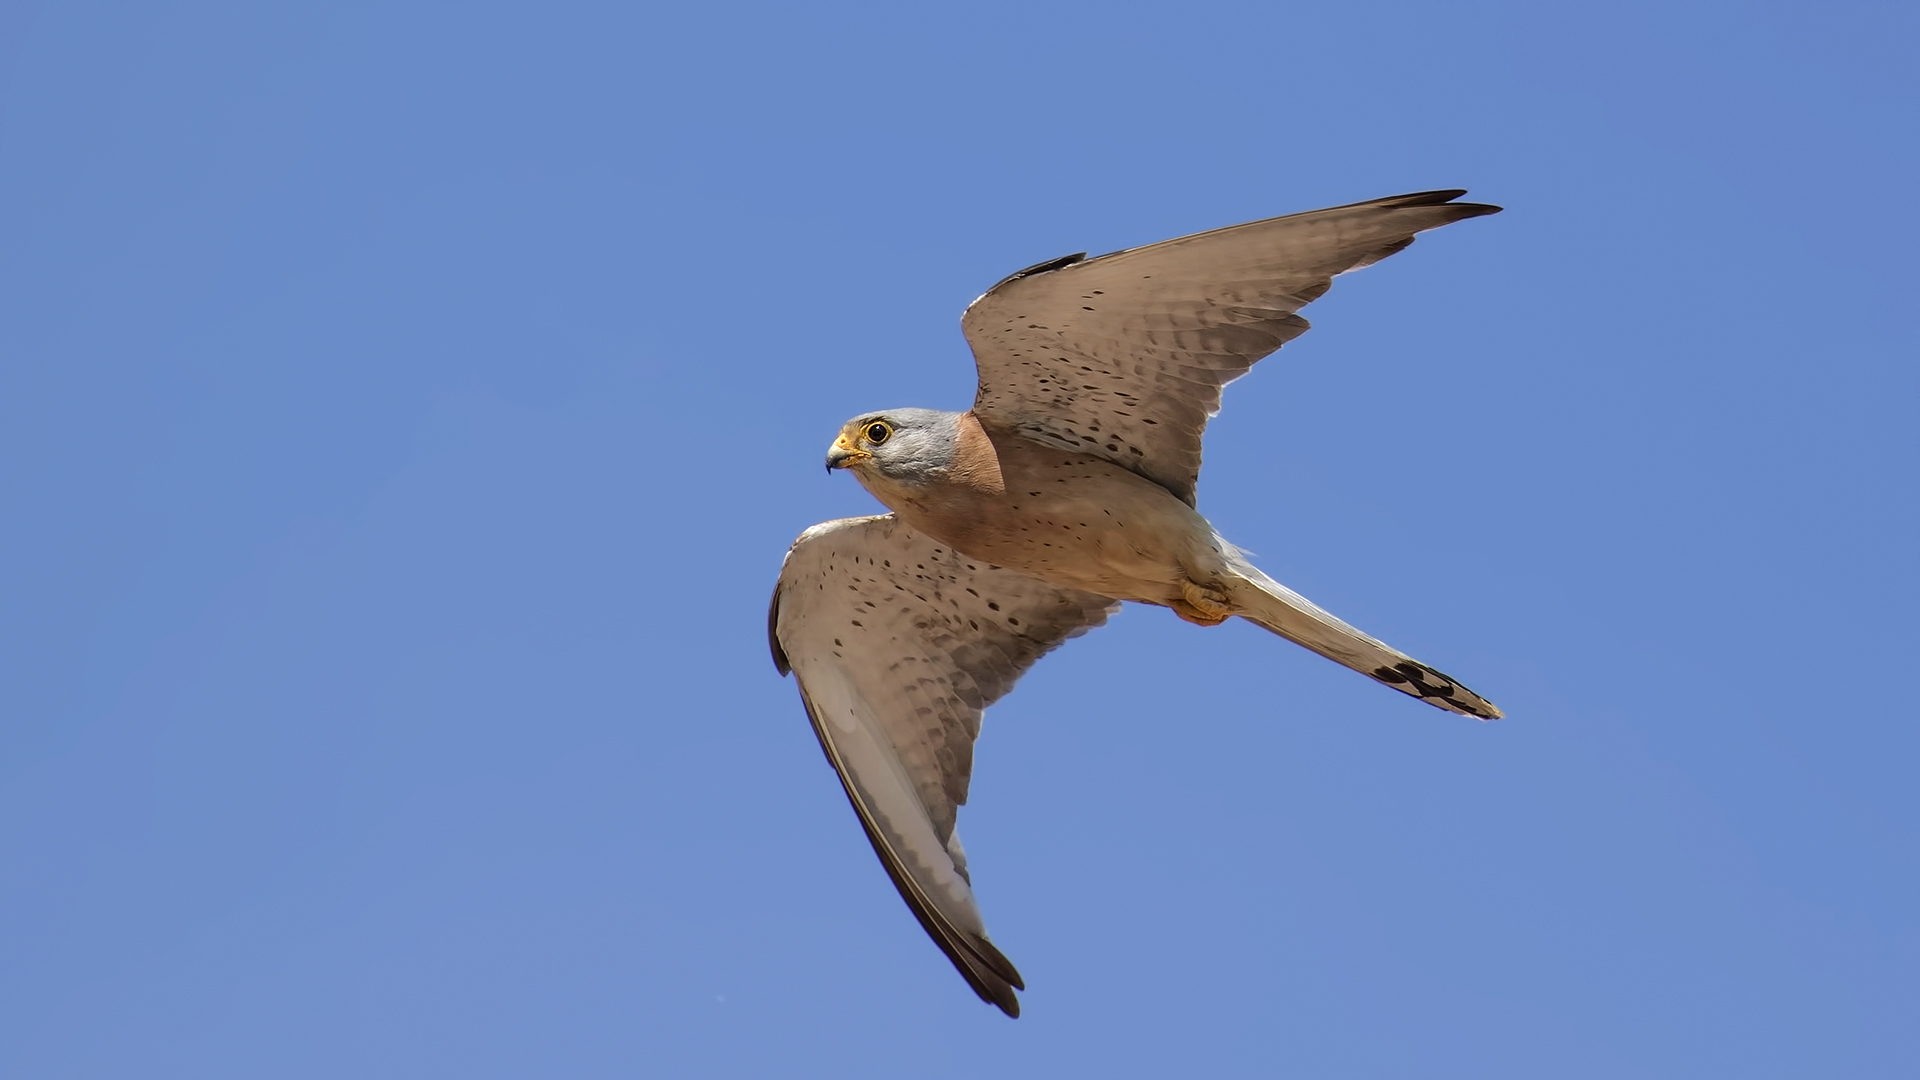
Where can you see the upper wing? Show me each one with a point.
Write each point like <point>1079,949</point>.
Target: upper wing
<point>1124,356</point>
<point>899,643</point>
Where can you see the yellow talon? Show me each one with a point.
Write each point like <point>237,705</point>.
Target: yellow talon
<point>1202,606</point>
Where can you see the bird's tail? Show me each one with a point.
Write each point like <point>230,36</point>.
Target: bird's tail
<point>1262,600</point>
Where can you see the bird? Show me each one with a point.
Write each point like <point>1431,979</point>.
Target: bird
<point>1067,489</point>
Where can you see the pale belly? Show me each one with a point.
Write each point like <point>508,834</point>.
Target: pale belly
<point>1073,520</point>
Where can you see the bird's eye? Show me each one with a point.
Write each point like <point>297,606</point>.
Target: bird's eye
<point>878,432</point>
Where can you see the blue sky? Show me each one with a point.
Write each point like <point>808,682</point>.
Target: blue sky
<point>404,409</point>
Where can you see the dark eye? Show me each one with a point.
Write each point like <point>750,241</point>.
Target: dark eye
<point>878,432</point>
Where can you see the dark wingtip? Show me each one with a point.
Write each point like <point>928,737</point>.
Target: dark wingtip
<point>1042,268</point>
<point>1424,198</point>
<point>997,983</point>
<point>780,662</point>
<point>1441,198</point>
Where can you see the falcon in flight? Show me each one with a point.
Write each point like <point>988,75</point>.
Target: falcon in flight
<point>1026,520</point>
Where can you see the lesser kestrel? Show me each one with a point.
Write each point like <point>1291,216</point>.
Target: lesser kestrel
<point>1066,489</point>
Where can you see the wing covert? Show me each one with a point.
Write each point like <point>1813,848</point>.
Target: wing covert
<point>1124,356</point>
<point>899,644</point>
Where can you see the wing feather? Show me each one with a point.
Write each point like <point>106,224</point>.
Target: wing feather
<point>899,643</point>
<point>1124,356</point>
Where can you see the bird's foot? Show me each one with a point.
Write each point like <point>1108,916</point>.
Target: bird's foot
<point>1202,606</point>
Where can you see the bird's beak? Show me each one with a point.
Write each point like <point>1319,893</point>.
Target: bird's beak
<point>844,455</point>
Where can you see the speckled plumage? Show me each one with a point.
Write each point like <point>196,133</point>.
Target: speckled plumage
<point>1067,488</point>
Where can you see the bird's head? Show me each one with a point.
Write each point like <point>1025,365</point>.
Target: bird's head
<point>904,446</point>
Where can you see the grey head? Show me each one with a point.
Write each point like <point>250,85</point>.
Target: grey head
<point>906,446</point>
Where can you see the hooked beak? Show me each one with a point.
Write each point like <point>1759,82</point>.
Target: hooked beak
<point>844,455</point>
